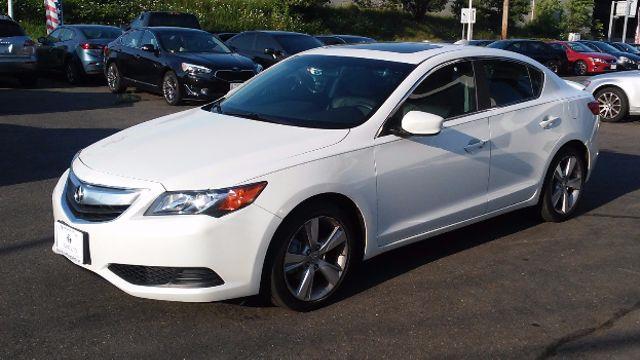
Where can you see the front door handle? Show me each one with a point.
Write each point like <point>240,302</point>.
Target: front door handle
<point>475,145</point>
<point>549,122</point>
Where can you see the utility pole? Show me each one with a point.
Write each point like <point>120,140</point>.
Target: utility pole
<point>10,8</point>
<point>627,11</point>
<point>505,18</point>
<point>470,25</point>
<point>533,9</point>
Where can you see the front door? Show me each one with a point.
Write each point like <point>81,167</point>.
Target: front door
<point>429,182</point>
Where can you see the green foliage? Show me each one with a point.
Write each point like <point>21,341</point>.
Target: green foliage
<point>579,15</point>
<point>419,8</point>
<point>549,19</point>
<point>489,12</point>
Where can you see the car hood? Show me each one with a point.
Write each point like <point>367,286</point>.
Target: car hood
<point>197,149</point>
<point>219,61</point>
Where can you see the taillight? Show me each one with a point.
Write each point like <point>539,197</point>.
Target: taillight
<point>88,46</point>
<point>29,42</point>
<point>594,106</point>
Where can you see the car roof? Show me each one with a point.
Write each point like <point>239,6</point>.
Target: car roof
<point>168,29</point>
<point>89,26</point>
<point>409,52</point>
<point>276,32</point>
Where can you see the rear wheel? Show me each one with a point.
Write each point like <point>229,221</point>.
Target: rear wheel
<point>315,250</point>
<point>580,68</point>
<point>114,80</point>
<point>171,88</point>
<point>614,105</point>
<point>562,190</point>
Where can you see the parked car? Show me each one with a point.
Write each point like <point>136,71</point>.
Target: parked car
<point>583,60</point>
<point>269,47</point>
<point>180,63</point>
<point>75,50</point>
<point>338,155</point>
<point>537,50</point>
<point>625,47</point>
<point>626,61</point>
<point>344,39</point>
<point>618,94</point>
<point>163,18</point>
<point>474,42</point>
<point>17,53</point>
<point>224,36</point>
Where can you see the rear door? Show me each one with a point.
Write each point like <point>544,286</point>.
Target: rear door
<point>45,51</point>
<point>525,126</point>
<point>244,44</point>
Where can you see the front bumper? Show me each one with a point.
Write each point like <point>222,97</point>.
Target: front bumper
<point>204,87</point>
<point>233,246</point>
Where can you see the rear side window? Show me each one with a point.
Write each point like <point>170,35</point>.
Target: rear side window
<point>537,81</point>
<point>294,44</point>
<point>10,28</point>
<point>448,92</point>
<point>177,20</point>
<point>508,82</point>
<point>264,41</point>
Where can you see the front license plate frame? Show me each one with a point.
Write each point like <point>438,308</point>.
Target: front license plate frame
<point>72,243</point>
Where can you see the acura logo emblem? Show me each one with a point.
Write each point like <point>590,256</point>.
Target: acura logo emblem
<point>78,195</point>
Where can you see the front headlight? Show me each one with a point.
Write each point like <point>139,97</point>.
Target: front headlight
<point>208,202</point>
<point>193,69</point>
<point>624,59</point>
<point>598,60</point>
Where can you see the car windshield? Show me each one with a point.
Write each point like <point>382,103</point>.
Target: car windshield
<point>579,47</point>
<point>607,48</point>
<point>191,42</point>
<point>329,92</point>
<point>628,48</point>
<point>10,28</point>
<point>294,44</point>
<point>92,33</point>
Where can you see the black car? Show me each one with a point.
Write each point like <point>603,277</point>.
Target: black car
<point>626,61</point>
<point>268,47</point>
<point>75,50</point>
<point>344,39</point>
<point>624,47</point>
<point>224,36</point>
<point>163,18</point>
<point>179,63</point>
<point>536,50</point>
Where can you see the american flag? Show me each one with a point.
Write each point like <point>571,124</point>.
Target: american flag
<point>54,14</point>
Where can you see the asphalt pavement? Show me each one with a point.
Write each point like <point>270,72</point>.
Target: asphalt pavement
<point>509,287</point>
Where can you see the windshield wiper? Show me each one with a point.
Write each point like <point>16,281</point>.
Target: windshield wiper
<point>252,116</point>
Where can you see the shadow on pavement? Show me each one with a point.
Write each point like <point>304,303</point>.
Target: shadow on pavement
<point>32,154</point>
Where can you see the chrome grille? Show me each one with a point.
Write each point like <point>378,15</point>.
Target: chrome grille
<point>96,203</point>
<point>234,75</point>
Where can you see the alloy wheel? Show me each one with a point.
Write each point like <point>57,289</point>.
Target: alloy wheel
<point>112,77</point>
<point>70,72</point>
<point>581,68</point>
<point>567,182</point>
<point>170,88</point>
<point>316,258</point>
<point>610,105</point>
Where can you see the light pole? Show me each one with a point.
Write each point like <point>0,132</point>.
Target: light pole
<point>627,11</point>
<point>10,8</point>
<point>469,24</point>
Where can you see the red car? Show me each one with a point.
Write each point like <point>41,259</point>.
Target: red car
<point>583,60</point>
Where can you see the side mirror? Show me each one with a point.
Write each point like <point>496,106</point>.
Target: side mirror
<point>422,123</point>
<point>148,48</point>
<point>42,40</point>
<point>274,53</point>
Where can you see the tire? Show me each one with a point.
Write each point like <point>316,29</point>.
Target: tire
<point>614,105</point>
<point>580,68</point>
<point>562,192</point>
<point>28,81</point>
<point>554,66</point>
<point>72,72</point>
<point>325,269</point>
<point>171,88</point>
<point>114,81</point>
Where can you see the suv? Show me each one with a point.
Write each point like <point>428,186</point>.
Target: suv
<point>161,18</point>
<point>17,52</point>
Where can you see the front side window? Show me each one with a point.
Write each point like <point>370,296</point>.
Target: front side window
<point>131,39</point>
<point>448,92</point>
<point>329,92</point>
<point>508,82</point>
<point>294,44</point>
<point>576,46</point>
<point>148,39</point>
<point>243,41</point>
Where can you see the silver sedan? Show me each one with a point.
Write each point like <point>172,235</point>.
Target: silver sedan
<point>618,94</point>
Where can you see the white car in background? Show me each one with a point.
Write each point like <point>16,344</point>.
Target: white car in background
<point>330,157</point>
<point>618,94</point>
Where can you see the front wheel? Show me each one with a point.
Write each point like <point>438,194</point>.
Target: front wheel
<point>315,249</point>
<point>554,66</point>
<point>613,103</point>
<point>580,68</point>
<point>171,88</point>
<point>114,80</point>
<point>562,189</point>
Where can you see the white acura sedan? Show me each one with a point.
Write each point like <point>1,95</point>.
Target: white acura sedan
<point>330,157</point>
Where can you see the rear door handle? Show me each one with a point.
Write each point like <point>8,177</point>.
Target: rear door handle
<point>475,145</point>
<point>549,122</point>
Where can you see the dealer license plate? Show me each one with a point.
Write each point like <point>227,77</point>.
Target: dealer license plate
<point>234,85</point>
<point>71,243</point>
<point>614,66</point>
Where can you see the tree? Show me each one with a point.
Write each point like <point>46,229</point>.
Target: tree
<point>489,12</point>
<point>549,20</point>
<point>579,15</point>
<point>419,8</point>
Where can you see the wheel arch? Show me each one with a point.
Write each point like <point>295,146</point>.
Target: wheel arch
<point>609,85</point>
